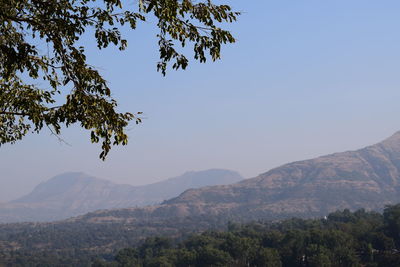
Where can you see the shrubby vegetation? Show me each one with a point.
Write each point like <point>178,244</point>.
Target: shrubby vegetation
<point>343,238</point>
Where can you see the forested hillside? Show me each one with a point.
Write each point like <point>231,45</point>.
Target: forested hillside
<point>342,238</point>
<point>367,178</point>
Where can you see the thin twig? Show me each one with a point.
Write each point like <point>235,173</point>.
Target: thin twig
<point>61,140</point>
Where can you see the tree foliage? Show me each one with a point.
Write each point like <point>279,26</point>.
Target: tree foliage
<point>343,238</point>
<point>40,41</point>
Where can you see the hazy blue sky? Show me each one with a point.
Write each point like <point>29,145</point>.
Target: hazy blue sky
<point>305,78</point>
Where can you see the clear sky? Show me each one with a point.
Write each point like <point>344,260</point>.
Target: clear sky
<point>305,78</point>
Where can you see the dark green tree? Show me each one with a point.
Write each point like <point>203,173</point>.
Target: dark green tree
<point>40,40</point>
<point>318,256</point>
<point>268,257</point>
<point>391,218</point>
<point>127,257</point>
<point>209,256</point>
<point>160,261</point>
<point>242,249</point>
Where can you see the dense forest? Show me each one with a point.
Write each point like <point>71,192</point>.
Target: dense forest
<point>343,238</point>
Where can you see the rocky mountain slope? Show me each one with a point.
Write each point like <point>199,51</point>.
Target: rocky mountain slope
<point>73,194</point>
<point>367,178</point>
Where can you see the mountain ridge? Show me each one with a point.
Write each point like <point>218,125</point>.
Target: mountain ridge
<point>375,169</point>
<point>75,193</point>
<point>365,178</point>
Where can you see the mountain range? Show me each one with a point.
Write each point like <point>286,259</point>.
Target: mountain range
<point>367,178</point>
<point>73,194</point>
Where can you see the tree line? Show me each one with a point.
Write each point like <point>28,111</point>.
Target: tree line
<point>343,238</point>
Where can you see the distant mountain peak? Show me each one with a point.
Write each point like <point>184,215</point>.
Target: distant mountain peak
<point>68,178</point>
<point>67,175</point>
<point>73,193</point>
<point>366,178</point>
<point>393,139</point>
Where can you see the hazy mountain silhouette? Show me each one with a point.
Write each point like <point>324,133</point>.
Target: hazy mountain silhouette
<point>367,178</point>
<point>72,194</point>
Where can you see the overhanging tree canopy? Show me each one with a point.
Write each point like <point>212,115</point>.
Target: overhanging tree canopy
<point>59,25</point>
